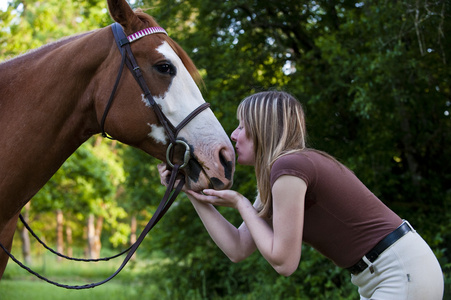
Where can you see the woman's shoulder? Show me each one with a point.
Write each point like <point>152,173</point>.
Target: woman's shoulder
<point>300,164</point>
<point>307,156</point>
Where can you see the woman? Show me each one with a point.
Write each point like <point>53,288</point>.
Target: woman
<point>305,195</point>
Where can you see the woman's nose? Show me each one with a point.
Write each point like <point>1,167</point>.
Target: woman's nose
<point>233,135</point>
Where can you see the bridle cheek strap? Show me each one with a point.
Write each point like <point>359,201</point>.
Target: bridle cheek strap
<point>128,58</point>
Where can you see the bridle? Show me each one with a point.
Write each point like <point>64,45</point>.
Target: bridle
<point>123,43</point>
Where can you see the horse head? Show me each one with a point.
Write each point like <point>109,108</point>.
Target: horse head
<point>173,81</point>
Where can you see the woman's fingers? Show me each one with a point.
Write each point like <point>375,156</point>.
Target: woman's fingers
<point>226,198</point>
<point>161,166</point>
<point>164,174</point>
<point>202,197</point>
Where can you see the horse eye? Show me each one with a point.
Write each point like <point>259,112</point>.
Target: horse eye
<point>166,68</point>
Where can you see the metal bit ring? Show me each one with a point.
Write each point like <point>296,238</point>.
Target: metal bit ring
<point>186,156</point>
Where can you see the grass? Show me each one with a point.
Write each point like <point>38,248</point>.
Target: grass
<point>29,289</point>
<point>18,284</point>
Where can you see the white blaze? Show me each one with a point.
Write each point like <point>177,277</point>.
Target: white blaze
<point>183,97</point>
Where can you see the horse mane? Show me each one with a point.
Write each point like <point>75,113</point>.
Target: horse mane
<point>149,21</point>
<point>47,47</point>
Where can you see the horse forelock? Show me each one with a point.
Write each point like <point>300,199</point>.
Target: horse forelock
<point>148,21</point>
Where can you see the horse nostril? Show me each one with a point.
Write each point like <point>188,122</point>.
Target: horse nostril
<point>227,161</point>
<point>216,183</point>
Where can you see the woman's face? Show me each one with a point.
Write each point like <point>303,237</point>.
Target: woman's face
<point>244,147</point>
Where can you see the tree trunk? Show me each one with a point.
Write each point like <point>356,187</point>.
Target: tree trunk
<point>98,233</point>
<point>59,232</point>
<point>25,237</point>
<point>133,234</point>
<point>94,233</point>
<point>69,241</point>
<point>91,236</point>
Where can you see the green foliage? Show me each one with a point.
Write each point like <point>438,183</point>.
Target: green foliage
<point>30,24</point>
<point>374,80</point>
<point>88,178</point>
<point>88,182</point>
<point>142,187</point>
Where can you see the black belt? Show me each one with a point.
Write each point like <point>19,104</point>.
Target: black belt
<point>374,253</point>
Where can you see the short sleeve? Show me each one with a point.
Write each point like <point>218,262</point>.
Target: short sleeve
<point>297,164</point>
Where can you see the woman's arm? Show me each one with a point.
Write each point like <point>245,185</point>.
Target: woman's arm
<point>280,243</point>
<point>284,253</point>
<point>236,243</point>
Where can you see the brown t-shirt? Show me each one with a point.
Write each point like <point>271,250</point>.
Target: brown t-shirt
<point>343,219</point>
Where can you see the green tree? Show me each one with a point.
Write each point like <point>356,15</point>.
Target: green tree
<point>142,189</point>
<point>30,24</point>
<point>374,80</point>
<point>85,186</point>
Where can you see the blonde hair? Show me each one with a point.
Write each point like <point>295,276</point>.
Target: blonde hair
<point>275,122</point>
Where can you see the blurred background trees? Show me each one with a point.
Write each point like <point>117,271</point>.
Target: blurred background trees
<point>374,79</point>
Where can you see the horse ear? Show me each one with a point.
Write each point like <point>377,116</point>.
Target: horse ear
<point>122,13</point>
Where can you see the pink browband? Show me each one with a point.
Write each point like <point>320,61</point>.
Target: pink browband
<point>144,32</point>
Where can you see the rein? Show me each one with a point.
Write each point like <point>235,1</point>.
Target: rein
<point>161,210</point>
<point>127,58</point>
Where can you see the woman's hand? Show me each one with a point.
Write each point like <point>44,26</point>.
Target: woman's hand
<point>226,198</point>
<point>165,175</point>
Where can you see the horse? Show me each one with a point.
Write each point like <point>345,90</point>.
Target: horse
<point>54,98</point>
